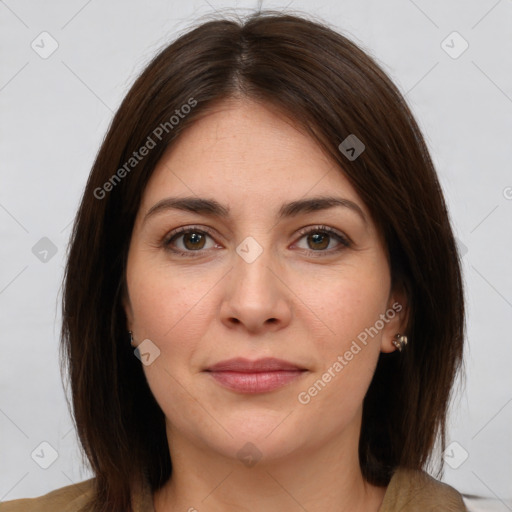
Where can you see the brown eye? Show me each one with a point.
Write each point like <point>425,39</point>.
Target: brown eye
<point>319,238</point>
<point>187,241</point>
<point>193,240</point>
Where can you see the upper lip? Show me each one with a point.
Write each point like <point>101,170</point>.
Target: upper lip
<point>266,364</point>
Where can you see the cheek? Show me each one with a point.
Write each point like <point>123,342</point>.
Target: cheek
<point>345,340</point>
<point>348,347</point>
<point>168,310</point>
<point>345,304</point>
<point>164,301</point>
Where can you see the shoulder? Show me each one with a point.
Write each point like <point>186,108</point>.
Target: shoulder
<point>72,498</point>
<point>416,491</point>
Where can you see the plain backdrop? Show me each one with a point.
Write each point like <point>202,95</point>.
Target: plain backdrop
<point>55,110</point>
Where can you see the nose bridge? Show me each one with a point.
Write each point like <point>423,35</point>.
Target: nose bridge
<point>255,295</point>
<point>253,266</point>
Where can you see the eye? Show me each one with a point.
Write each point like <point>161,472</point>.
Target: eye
<point>192,238</point>
<point>191,241</point>
<point>320,237</point>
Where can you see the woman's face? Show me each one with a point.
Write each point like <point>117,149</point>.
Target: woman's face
<point>259,279</point>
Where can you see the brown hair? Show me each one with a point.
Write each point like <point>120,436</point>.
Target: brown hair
<point>332,89</point>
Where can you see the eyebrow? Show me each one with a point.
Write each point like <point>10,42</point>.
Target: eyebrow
<point>212,208</point>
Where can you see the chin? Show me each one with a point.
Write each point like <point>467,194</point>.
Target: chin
<point>257,438</point>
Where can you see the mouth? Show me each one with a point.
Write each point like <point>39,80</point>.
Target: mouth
<point>260,376</point>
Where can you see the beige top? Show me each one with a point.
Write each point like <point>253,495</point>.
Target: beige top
<point>408,491</point>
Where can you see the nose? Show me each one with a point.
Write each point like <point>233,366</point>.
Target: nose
<point>256,297</point>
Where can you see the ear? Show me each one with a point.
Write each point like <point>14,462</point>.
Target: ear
<point>397,315</point>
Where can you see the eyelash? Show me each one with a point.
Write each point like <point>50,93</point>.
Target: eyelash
<point>173,235</point>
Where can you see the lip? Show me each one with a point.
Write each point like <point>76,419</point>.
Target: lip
<point>265,364</point>
<point>260,376</point>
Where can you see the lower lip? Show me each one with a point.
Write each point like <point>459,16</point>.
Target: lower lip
<point>258,382</point>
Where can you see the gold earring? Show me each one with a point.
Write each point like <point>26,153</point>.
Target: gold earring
<point>400,341</point>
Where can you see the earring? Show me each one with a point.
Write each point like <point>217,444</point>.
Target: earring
<point>400,341</point>
<point>131,338</point>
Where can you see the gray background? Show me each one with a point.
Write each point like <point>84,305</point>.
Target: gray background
<point>55,111</point>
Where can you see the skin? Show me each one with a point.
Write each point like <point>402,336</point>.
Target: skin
<point>287,303</point>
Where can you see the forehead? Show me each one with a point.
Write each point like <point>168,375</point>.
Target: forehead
<point>246,153</point>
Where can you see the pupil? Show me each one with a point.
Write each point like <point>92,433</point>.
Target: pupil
<point>194,238</point>
<point>318,238</point>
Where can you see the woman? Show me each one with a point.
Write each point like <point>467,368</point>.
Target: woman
<point>263,303</point>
